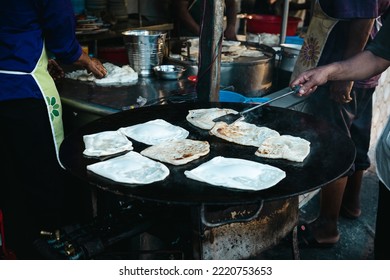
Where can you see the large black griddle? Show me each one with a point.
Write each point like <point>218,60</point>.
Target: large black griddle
<point>332,154</point>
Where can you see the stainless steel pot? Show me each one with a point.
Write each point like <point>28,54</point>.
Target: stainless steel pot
<point>289,54</point>
<point>144,49</point>
<point>250,76</point>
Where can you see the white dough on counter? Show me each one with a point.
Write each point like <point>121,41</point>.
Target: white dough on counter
<point>115,75</point>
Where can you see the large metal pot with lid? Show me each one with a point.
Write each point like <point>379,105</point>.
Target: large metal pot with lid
<point>250,76</point>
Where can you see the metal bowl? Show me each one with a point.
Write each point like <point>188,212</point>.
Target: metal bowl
<point>169,72</point>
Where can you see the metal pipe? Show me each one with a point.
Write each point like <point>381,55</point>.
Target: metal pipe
<point>139,13</point>
<point>283,31</point>
<point>210,40</point>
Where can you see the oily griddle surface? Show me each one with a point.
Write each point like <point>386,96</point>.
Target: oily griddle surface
<point>332,154</point>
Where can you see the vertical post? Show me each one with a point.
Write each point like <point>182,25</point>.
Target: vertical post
<point>139,13</point>
<point>283,31</point>
<point>210,40</point>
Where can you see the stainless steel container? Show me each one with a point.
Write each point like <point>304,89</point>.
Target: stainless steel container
<point>289,55</point>
<point>145,49</point>
<point>249,76</point>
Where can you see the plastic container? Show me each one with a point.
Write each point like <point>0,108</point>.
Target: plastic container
<point>271,24</point>
<point>229,96</point>
<point>294,40</point>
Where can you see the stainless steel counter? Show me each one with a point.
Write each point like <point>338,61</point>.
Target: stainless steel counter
<point>84,101</point>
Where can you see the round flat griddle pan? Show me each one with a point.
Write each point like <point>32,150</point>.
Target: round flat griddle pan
<point>332,154</point>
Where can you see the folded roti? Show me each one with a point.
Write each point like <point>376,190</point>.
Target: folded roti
<point>237,173</point>
<point>178,152</point>
<point>106,143</point>
<point>203,118</point>
<point>131,168</point>
<point>243,133</point>
<point>154,132</point>
<point>284,147</point>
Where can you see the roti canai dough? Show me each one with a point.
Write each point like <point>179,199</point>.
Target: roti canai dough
<point>243,133</point>
<point>284,147</point>
<point>131,168</point>
<point>155,132</point>
<point>106,143</point>
<point>178,152</point>
<point>203,118</point>
<point>237,173</point>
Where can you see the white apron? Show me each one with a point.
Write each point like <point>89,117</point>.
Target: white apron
<point>49,91</point>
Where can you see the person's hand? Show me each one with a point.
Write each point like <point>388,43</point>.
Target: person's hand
<point>55,70</point>
<point>311,79</point>
<point>92,65</point>
<point>96,68</point>
<point>340,91</point>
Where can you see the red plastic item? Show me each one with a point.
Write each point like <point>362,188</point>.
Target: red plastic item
<point>270,24</point>
<point>4,252</point>
<point>115,55</point>
<point>193,79</point>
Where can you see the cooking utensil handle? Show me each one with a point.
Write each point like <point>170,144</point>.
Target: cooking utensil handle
<point>294,90</point>
<point>229,221</point>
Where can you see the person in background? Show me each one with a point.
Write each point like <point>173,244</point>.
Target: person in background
<point>372,61</point>
<point>188,18</point>
<point>338,30</point>
<point>32,190</point>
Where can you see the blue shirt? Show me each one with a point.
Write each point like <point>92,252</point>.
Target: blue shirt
<point>24,26</point>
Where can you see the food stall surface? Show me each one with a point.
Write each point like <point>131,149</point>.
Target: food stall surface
<point>357,236</point>
<point>180,191</point>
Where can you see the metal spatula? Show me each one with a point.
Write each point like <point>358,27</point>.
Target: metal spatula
<point>232,118</point>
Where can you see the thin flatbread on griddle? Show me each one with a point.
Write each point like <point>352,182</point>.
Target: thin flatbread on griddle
<point>178,152</point>
<point>243,133</point>
<point>154,132</point>
<point>203,118</point>
<point>131,168</point>
<point>284,147</point>
<point>106,143</point>
<point>237,173</point>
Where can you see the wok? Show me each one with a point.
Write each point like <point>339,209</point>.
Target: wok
<point>332,154</point>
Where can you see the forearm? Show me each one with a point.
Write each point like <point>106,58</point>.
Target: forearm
<point>359,67</point>
<point>362,66</point>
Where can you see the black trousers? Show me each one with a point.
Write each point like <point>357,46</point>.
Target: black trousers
<point>382,231</point>
<point>32,181</point>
